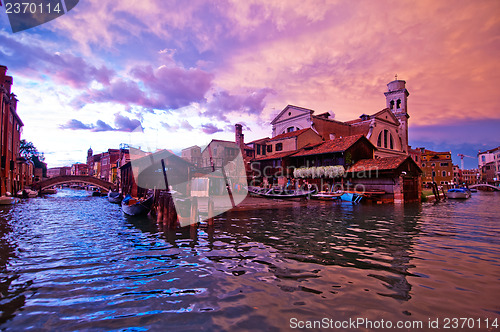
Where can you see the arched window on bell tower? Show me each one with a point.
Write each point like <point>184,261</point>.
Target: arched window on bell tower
<point>391,104</point>
<point>398,104</point>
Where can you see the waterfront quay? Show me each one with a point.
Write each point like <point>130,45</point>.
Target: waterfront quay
<point>71,261</point>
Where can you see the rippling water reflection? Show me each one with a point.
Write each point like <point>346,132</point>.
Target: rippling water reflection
<point>73,262</point>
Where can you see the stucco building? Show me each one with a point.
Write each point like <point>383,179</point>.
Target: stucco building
<point>489,164</point>
<point>192,155</point>
<point>387,129</point>
<point>437,167</point>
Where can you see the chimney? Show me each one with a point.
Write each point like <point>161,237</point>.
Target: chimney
<point>7,83</point>
<point>13,101</point>
<point>239,137</point>
<point>3,71</point>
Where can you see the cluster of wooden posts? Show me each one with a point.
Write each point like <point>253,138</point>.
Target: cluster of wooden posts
<point>166,214</point>
<point>435,191</point>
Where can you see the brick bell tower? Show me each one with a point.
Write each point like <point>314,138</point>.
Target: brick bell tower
<point>397,101</point>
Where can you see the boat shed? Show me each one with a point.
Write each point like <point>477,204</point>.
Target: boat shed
<point>390,179</point>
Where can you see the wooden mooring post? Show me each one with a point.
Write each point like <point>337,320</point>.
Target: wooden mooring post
<point>210,211</point>
<point>166,214</point>
<point>435,191</point>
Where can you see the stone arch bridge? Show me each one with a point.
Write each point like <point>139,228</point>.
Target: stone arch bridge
<point>484,185</point>
<point>73,179</point>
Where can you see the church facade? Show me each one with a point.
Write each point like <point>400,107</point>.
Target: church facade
<point>386,129</point>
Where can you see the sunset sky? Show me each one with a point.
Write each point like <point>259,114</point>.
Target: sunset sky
<point>171,74</point>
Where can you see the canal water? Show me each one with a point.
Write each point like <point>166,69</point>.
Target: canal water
<point>74,262</point>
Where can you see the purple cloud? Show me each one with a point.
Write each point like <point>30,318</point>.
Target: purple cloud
<point>124,123</point>
<point>166,88</point>
<point>230,127</point>
<point>210,128</point>
<point>223,102</point>
<point>120,91</point>
<point>185,125</point>
<point>34,61</point>
<point>75,124</point>
<point>102,126</point>
<point>174,87</point>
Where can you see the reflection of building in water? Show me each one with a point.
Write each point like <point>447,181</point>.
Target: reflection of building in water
<point>377,242</point>
<point>12,290</point>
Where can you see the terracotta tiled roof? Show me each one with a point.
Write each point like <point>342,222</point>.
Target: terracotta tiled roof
<point>388,163</point>
<point>336,145</point>
<point>278,155</point>
<point>489,151</point>
<point>429,152</point>
<point>361,128</point>
<point>290,134</point>
<point>265,139</point>
<point>354,121</point>
<point>219,142</point>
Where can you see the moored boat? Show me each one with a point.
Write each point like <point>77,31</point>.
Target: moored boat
<point>458,193</point>
<point>327,195</point>
<point>8,200</point>
<point>49,191</point>
<point>135,207</point>
<point>27,193</point>
<point>114,197</point>
<point>351,197</point>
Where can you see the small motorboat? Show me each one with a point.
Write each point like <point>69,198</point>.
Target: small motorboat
<point>351,197</point>
<point>327,195</point>
<point>49,191</point>
<point>27,193</point>
<point>135,207</point>
<point>114,197</point>
<point>8,200</point>
<point>458,193</point>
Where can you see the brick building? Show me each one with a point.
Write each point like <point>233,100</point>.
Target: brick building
<point>79,169</point>
<point>104,165</point>
<point>11,178</point>
<point>58,171</point>
<point>471,176</point>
